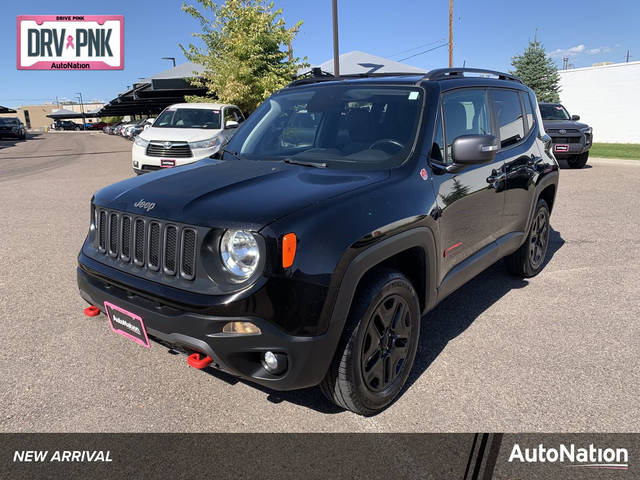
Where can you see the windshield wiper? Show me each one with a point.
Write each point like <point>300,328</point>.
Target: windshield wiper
<point>304,163</point>
<point>233,154</point>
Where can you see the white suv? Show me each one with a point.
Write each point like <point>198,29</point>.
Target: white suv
<point>184,133</point>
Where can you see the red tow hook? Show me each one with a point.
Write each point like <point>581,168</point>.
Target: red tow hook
<point>195,361</point>
<point>92,311</point>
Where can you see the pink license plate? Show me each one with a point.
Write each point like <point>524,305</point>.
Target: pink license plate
<point>561,148</point>
<point>127,324</point>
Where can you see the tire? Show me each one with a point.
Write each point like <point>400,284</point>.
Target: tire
<point>529,259</point>
<point>77,129</point>
<point>383,327</point>
<point>578,161</point>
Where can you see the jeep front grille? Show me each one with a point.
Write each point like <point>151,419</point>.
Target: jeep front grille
<point>169,149</point>
<point>154,243</point>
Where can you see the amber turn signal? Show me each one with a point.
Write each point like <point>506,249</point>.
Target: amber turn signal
<point>288,249</point>
<point>243,328</point>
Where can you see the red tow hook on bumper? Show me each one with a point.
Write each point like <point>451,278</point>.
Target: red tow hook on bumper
<point>92,311</point>
<point>195,361</point>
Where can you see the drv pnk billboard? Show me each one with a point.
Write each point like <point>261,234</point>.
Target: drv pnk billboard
<point>70,42</point>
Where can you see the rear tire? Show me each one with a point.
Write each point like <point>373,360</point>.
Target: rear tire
<point>529,259</point>
<point>578,161</point>
<point>378,346</point>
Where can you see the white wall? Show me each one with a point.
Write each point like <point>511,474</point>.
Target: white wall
<point>607,98</point>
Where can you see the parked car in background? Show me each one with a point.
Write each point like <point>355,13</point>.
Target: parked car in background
<point>184,133</point>
<point>139,127</point>
<point>12,127</point>
<point>67,125</point>
<point>571,139</point>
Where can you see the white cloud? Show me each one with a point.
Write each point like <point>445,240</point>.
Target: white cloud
<point>596,51</point>
<point>568,52</point>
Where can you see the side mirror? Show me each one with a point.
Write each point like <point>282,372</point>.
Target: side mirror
<point>575,118</point>
<point>230,124</point>
<point>472,149</point>
<point>148,125</point>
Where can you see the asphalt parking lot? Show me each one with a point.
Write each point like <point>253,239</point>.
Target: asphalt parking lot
<point>559,352</point>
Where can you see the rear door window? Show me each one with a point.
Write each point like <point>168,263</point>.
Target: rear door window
<point>506,104</point>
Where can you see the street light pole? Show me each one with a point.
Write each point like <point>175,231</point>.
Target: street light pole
<point>450,33</point>
<point>173,59</point>
<point>336,53</point>
<point>84,120</point>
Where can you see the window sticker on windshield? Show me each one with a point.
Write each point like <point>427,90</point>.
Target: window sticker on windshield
<point>558,107</point>
<point>215,111</point>
<point>413,95</point>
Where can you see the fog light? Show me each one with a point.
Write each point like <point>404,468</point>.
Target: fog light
<point>135,164</point>
<point>274,363</point>
<point>242,328</point>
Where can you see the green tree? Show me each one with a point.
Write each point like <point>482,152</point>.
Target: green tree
<point>538,72</point>
<point>245,52</point>
<point>111,119</point>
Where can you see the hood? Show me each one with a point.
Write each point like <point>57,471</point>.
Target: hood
<point>235,193</point>
<point>566,124</point>
<point>179,134</point>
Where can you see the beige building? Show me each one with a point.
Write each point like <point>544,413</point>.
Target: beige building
<point>35,116</point>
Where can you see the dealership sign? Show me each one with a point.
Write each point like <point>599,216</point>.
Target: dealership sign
<point>70,42</point>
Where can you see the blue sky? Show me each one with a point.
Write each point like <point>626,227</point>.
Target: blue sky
<point>586,31</point>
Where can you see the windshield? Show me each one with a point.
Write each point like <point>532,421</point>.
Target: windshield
<point>188,118</point>
<point>554,112</point>
<point>342,126</point>
<point>9,121</point>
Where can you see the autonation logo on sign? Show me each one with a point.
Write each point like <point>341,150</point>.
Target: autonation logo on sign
<point>65,42</point>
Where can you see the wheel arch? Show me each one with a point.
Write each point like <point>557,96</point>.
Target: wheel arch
<point>398,251</point>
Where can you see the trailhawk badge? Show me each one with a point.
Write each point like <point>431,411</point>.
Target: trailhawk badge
<point>70,42</point>
<point>148,206</point>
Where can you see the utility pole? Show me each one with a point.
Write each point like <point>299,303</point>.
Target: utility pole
<point>336,50</point>
<point>450,33</point>
<point>627,56</point>
<point>291,49</point>
<point>565,61</point>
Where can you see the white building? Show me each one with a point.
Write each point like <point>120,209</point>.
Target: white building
<point>607,98</point>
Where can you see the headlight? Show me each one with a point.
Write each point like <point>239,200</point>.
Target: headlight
<point>240,253</point>
<point>141,142</point>
<point>587,130</point>
<point>209,143</point>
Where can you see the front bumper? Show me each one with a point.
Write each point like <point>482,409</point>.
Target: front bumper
<point>186,330</point>
<point>571,144</point>
<point>143,163</point>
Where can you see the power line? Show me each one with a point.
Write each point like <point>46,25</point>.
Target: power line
<point>417,47</point>
<point>425,51</point>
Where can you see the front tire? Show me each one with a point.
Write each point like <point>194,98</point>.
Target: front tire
<point>529,259</point>
<point>578,161</point>
<point>378,346</point>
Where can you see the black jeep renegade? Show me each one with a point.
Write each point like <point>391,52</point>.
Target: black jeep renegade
<point>342,210</point>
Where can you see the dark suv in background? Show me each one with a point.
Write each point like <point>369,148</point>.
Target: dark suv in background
<point>12,127</point>
<point>341,211</point>
<point>571,139</point>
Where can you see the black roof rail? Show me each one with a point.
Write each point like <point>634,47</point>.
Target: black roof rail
<point>317,75</point>
<point>448,73</point>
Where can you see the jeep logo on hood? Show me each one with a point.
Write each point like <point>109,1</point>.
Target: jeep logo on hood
<point>148,206</point>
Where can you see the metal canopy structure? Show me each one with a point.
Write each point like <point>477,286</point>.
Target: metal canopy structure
<point>357,62</point>
<point>6,110</point>
<point>151,95</point>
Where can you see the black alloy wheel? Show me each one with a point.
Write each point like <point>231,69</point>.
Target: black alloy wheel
<point>539,238</point>
<point>386,342</point>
